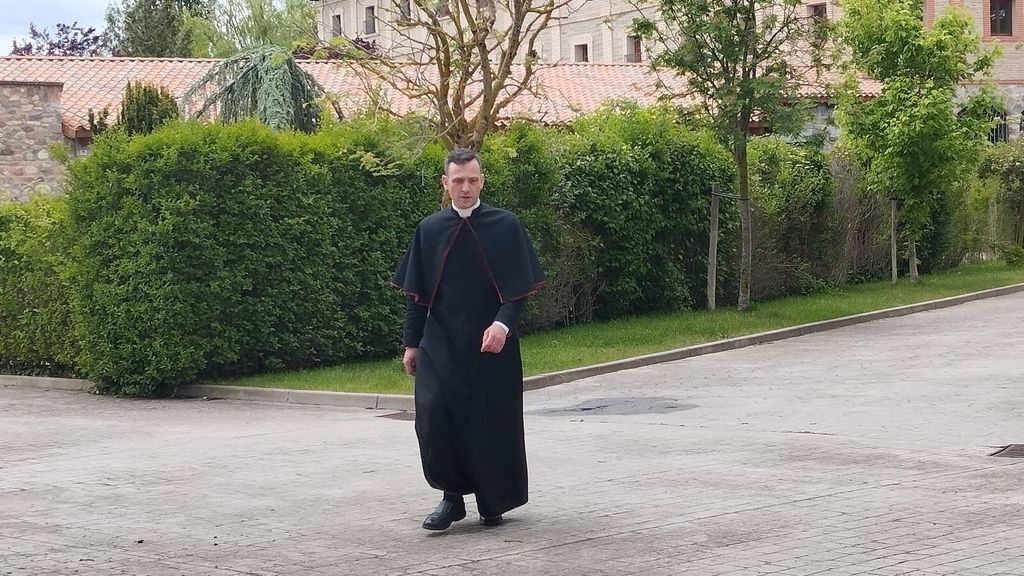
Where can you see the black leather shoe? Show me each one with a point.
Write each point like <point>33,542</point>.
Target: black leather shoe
<point>443,516</point>
<point>491,520</point>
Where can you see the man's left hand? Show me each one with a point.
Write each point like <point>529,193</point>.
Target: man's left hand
<point>494,339</point>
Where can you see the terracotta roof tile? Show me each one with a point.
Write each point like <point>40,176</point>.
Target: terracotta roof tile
<point>565,90</point>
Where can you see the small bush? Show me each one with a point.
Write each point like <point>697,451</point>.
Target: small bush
<point>1012,254</point>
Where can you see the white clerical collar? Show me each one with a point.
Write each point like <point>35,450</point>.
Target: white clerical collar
<point>465,212</point>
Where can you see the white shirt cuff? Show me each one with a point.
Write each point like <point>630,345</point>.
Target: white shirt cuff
<point>503,327</point>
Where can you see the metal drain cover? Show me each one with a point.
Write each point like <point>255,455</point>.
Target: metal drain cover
<point>399,416</point>
<point>1011,451</point>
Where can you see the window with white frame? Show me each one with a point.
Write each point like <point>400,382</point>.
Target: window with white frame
<point>337,28</point>
<point>634,49</point>
<point>370,20</point>
<point>581,53</point>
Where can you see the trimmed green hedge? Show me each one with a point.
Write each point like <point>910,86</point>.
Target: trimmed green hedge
<point>230,249</point>
<point>36,335</point>
<point>640,183</point>
<point>204,250</point>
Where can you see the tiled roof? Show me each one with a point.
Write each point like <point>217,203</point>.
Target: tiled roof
<point>565,90</point>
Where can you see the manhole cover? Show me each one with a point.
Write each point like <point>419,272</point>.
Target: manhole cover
<point>1011,451</point>
<point>399,416</point>
<point>624,406</point>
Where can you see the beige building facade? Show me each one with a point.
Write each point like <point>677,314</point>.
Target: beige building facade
<point>591,31</point>
<point>598,31</point>
<point>1001,23</point>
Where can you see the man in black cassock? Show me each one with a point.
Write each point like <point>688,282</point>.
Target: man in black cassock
<point>467,273</point>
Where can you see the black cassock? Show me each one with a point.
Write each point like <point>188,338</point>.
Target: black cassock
<point>462,274</point>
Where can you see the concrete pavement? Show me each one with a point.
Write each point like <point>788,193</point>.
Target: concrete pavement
<point>858,451</point>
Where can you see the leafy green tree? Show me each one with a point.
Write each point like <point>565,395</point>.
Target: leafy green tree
<point>232,26</point>
<point>154,28</point>
<point>263,83</point>
<point>744,60</point>
<point>918,144</point>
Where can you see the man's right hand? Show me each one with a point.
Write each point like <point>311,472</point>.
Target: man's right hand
<point>409,360</point>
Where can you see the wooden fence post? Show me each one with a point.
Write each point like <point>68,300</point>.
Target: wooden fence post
<point>713,247</point>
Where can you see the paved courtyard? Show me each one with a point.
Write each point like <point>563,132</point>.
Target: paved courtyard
<point>863,450</point>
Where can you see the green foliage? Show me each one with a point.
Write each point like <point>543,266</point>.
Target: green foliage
<point>742,61</point>
<point>99,121</point>
<point>792,185</point>
<point>1004,164</point>
<point>862,220</point>
<point>1013,255</point>
<point>153,28</point>
<point>233,26</point>
<point>211,250</point>
<point>226,249</point>
<point>640,185</point>
<point>737,57</point>
<point>36,335</point>
<point>145,107</point>
<point>919,146</point>
<point>792,193</point>
<point>263,83</point>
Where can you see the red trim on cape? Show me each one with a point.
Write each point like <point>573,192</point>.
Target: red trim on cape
<point>415,297</point>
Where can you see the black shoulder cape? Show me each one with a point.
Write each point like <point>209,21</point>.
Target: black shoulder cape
<point>509,257</point>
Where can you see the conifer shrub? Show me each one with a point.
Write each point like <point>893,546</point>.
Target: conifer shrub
<point>145,107</point>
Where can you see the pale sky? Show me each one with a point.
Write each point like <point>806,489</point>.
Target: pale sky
<point>15,16</point>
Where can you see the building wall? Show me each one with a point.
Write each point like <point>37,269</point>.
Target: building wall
<point>603,25</point>
<point>1009,68</point>
<point>29,121</point>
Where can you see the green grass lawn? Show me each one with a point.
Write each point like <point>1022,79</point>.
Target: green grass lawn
<point>617,339</point>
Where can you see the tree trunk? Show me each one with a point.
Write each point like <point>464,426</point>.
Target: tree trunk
<point>892,241</point>
<point>912,256</point>
<point>713,248</point>
<point>740,155</point>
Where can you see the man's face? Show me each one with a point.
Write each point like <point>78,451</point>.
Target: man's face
<point>463,183</point>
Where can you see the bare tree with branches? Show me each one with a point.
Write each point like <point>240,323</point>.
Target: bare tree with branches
<point>464,60</point>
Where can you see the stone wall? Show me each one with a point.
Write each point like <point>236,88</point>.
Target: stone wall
<point>29,121</point>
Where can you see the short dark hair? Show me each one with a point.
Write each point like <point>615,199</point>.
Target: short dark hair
<point>462,156</point>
